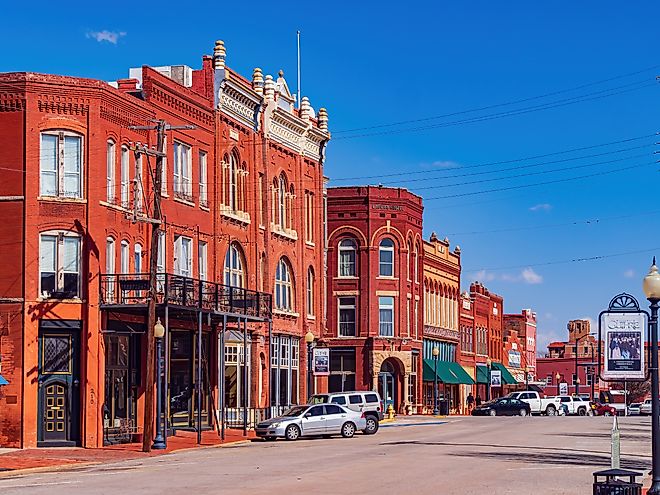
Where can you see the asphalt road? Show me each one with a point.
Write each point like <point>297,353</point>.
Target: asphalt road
<point>429,456</point>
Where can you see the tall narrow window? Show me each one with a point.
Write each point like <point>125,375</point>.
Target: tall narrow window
<point>138,190</point>
<point>232,186</point>
<point>110,267</point>
<point>161,253</point>
<point>234,274</point>
<point>261,199</point>
<point>284,286</point>
<point>203,191</point>
<point>282,197</point>
<point>182,171</point>
<point>386,258</point>
<point>110,172</point>
<point>137,259</point>
<point>309,216</point>
<point>347,251</point>
<point>183,256</point>
<point>163,170</point>
<point>124,257</point>
<point>416,265</point>
<point>408,262</point>
<point>202,262</point>
<point>59,265</point>
<point>386,316</point>
<point>61,164</point>
<point>346,309</point>
<point>310,292</point>
<point>124,176</point>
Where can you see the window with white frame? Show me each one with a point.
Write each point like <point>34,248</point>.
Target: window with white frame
<point>163,169</point>
<point>182,171</point>
<point>234,266</point>
<point>284,286</point>
<point>203,188</point>
<point>137,261</point>
<point>386,258</point>
<point>416,265</point>
<point>310,292</point>
<point>347,257</point>
<point>183,256</point>
<point>202,263</point>
<point>285,364</point>
<point>386,316</point>
<point>110,266</point>
<point>124,172</point>
<point>138,189</point>
<point>59,264</point>
<point>61,164</point>
<point>233,179</point>
<point>124,257</point>
<point>110,172</point>
<point>161,253</point>
<point>346,310</point>
<point>309,216</point>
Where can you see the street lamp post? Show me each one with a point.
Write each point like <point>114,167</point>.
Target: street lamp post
<point>651,287</point>
<point>309,340</point>
<point>558,377</point>
<point>159,332</point>
<point>436,353</point>
<point>488,363</point>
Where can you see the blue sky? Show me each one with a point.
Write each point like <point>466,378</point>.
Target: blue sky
<point>378,63</point>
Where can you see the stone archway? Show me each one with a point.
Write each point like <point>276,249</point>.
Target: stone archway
<point>391,370</point>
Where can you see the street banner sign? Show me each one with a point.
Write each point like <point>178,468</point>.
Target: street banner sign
<point>495,378</point>
<point>563,388</point>
<point>621,334</point>
<point>321,361</point>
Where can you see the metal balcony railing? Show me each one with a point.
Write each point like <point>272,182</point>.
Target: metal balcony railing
<point>177,290</point>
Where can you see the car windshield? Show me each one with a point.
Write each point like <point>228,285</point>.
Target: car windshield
<point>294,411</point>
<point>319,399</point>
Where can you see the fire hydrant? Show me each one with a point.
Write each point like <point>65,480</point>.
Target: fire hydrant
<point>390,412</point>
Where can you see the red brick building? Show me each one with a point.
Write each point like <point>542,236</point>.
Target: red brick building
<point>521,330</point>
<point>375,290</point>
<point>242,205</point>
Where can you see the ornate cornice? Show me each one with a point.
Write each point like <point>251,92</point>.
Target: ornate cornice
<point>441,333</point>
<point>239,103</point>
<point>11,102</point>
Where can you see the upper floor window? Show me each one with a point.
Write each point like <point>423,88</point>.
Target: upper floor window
<point>283,200</point>
<point>386,258</point>
<point>284,286</point>
<point>182,171</point>
<point>309,216</point>
<point>124,174</point>
<point>202,260</point>
<point>110,172</point>
<point>346,310</point>
<point>59,265</point>
<point>183,256</point>
<point>234,183</point>
<point>347,255</point>
<point>310,292</point>
<point>61,164</point>
<point>137,254</point>
<point>234,272</point>
<point>124,257</point>
<point>386,316</point>
<point>139,187</point>
<point>203,172</point>
<point>409,262</point>
<point>416,264</point>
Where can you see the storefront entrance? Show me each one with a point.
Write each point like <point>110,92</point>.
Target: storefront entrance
<point>387,388</point>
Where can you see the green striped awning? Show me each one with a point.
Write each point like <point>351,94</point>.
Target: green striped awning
<point>448,372</point>
<point>482,374</point>
<point>507,377</point>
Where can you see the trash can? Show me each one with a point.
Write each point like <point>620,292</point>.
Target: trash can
<point>612,485</point>
<point>444,407</point>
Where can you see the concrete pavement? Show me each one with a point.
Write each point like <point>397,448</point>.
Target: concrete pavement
<point>411,456</point>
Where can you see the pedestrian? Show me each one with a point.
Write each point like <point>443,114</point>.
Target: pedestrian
<point>470,402</point>
<point>478,401</point>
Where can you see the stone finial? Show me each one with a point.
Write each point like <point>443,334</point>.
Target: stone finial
<point>219,55</point>
<point>323,119</point>
<point>258,80</point>
<point>280,73</point>
<point>457,249</point>
<point>434,237</point>
<point>269,88</point>
<point>446,240</point>
<point>305,108</point>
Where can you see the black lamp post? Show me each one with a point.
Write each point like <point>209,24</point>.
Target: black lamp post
<point>651,287</point>
<point>488,363</point>
<point>436,353</point>
<point>159,332</point>
<point>309,340</point>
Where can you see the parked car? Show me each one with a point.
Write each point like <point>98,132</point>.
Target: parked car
<point>576,405</point>
<point>599,409</point>
<point>615,398</point>
<point>504,406</point>
<point>634,409</point>
<point>368,403</point>
<point>645,408</point>
<point>537,404</point>
<point>311,420</point>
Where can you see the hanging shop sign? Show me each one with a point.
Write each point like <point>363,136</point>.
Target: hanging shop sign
<point>321,361</point>
<point>563,388</point>
<point>495,378</point>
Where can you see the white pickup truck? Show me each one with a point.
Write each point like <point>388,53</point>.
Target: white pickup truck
<point>538,404</point>
<point>576,405</point>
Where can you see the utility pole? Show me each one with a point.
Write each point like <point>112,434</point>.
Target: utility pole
<point>156,179</point>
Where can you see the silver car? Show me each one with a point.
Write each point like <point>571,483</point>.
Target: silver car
<point>311,420</point>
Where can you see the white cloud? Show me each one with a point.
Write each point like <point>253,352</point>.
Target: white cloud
<point>541,207</point>
<point>484,276</point>
<point>531,277</point>
<point>105,35</point>
<point>445,164</point>
<point>629,273</point>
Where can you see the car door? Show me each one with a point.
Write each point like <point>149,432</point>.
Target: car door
<point>335,417</point>
<point>313,422</point>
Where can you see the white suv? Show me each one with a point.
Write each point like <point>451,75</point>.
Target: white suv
<point>368,403</point>
<point>645,408</point>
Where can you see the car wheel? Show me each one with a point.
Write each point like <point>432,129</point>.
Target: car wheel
<point>582,411</point>
<point>551,411</point>
<point>523,412</point>
<point>493,412</point>
<point>372,426</point>
<point>348,430</point>
<point>292,432</point>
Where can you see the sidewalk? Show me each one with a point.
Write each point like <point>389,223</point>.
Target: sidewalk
<point>47,459</point>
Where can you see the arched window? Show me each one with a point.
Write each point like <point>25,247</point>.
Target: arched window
<point>415,261</point>
<point>408,260</point>
<point>234,271</point>
<point>137,265</point>
<point>110,172</point>
<point>284,286</point>
<point>282,200</point>
<point>386,258</point>
<point>347,252</point>
<point>124,177</point>
<point>124,257</point>
<point>233,182</point>
<point>310,292</point>
<point>61,164</point>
